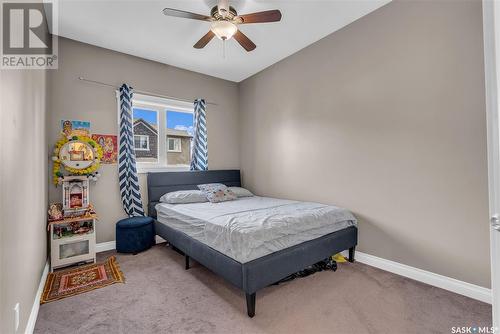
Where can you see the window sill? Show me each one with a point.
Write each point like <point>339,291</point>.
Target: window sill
<point>150,169</point>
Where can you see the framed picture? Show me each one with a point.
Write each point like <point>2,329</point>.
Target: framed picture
<point>75,128</point>
<point>109,144</point>
<point>55,211</point>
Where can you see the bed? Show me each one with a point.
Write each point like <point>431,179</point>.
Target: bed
<point>247,241</point>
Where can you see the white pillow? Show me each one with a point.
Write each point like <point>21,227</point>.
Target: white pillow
<point>241,192</point>
<point>183,197</point>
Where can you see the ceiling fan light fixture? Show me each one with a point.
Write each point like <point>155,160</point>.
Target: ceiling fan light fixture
<point>224,30</point>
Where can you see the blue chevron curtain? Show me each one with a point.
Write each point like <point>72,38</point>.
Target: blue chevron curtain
<point>199,153</point>
<point>127,172</point>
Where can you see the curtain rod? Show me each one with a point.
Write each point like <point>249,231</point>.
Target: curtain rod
<point>142,92</point>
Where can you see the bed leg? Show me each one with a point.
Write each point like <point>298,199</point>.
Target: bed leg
<point>351,254</point>
<point>250,304</point>
<point>187,262</point>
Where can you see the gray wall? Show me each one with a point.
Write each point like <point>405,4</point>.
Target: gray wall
<point>73,99</point>
<point>23,192</point>
<point>385,117</point>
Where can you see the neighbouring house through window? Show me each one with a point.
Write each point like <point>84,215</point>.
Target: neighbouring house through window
<point>145,128</point>
<point>163,132</point>
<point>141,142</point>
<point>174,144</point>
<point>179,137</point>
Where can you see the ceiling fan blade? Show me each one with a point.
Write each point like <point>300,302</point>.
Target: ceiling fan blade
<point>244,41</point>
<point>204,40</point>
<point>185,15</point>
<point>260,17</point>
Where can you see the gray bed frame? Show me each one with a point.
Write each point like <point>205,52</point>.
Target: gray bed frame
<point>250,276</point>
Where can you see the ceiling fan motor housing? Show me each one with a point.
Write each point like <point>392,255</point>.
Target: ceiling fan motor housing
<point>229,16</point>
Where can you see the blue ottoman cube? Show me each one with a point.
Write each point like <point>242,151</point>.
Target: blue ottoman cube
<point>135,234</point>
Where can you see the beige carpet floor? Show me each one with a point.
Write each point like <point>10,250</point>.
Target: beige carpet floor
<point>159,296</point>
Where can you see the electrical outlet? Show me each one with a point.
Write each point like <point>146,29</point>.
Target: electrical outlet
<point>16,317</point>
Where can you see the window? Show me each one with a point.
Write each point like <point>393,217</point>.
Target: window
<point>174,145</point>
<point>141,143</point>
<point>163,131</point>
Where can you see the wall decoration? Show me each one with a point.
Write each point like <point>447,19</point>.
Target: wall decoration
<point>55,211</point>
<point>109,144</point>
<point>79,155</point>
<point>75,128</point>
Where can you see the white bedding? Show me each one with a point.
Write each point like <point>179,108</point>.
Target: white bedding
<point>251,227</point>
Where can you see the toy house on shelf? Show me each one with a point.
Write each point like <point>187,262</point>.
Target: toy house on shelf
<point>75,199</point>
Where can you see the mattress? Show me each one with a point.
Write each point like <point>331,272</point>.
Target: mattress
<point>251,227</point>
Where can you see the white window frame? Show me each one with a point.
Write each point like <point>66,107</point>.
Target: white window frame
<point>147,143</point>
<point>160,105</point>
<point>176,140</point>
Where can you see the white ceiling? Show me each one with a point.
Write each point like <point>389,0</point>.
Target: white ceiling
<point>139,28</point>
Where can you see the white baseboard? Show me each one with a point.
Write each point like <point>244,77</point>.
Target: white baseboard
<point>111,245</point>
<point>30,326</point>
<point>105,246</point>
<point>440,281</point>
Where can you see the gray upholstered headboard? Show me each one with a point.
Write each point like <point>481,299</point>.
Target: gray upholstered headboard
<point>165,182</point>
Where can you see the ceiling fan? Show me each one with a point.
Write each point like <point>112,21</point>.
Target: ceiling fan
<point>225,21</point>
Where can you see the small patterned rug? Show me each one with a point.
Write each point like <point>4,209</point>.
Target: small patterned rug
<point>74,281</point>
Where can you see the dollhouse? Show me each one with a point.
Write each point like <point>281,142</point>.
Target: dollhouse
<point>75,195</point>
